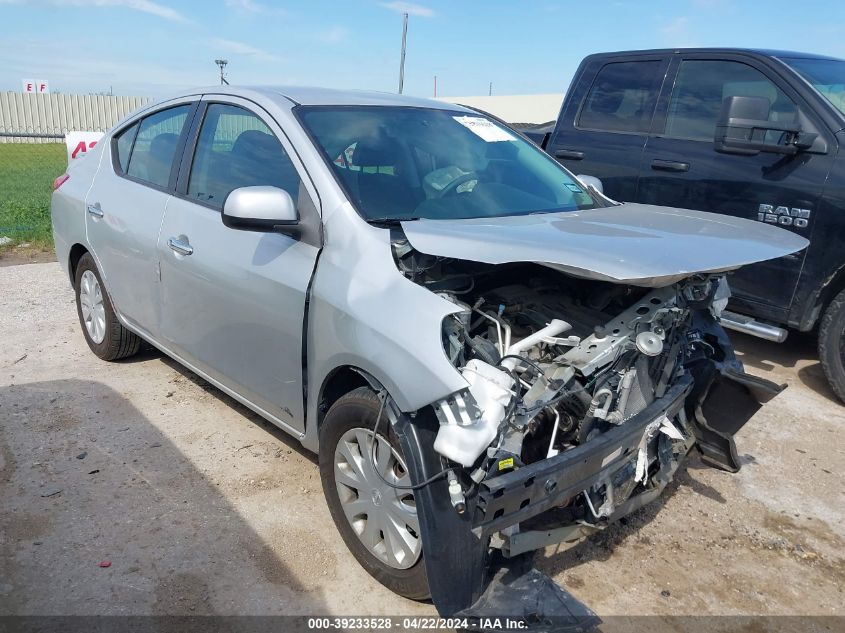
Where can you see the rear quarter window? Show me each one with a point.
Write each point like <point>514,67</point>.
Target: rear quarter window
<point>123,146</point>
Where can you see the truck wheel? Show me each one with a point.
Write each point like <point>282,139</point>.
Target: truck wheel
<point>832,344</point>
<point>378,523</point>
<point>106,337</point>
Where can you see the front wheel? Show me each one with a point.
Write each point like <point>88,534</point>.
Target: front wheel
<point>832,344</point>
<point>106,337</point>
<point>378,521</point>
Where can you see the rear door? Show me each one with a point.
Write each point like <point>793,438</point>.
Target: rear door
<point>681,168</point>
<point>125,206</point>
<point>234,300</point>
<point>605,123</point>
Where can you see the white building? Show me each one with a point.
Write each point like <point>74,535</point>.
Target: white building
<point>540,108</point>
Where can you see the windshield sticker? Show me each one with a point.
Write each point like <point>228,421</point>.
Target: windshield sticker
<point>573,187</point>
<point>484,129</point>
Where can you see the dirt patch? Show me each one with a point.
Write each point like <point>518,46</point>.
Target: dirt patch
<point>305,569</point>
<point>16,255</point>
<point>183,593</point>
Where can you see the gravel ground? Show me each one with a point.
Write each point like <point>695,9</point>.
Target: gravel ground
<point>200,507</point>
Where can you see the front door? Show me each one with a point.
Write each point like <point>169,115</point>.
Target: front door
<point>233,301</point>
<point>680,168</point>
<point>125,206</point>
<point>604,128</point>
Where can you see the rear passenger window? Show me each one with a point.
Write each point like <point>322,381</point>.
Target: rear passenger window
<point>124,146</point>
<point>236,149</point>
<point>155,145</point>
<point>701,87</point>
<point>622,97</point>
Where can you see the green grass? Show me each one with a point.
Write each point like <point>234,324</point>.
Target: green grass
<point>27,171</point>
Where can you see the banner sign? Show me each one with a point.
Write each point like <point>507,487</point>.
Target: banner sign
<point>79,143</point>
<point>35,86</point>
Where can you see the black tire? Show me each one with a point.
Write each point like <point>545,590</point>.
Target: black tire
<point>118,342</point>
<point>358,409</point>
<point>832,344</point>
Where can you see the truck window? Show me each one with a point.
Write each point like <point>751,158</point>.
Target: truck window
<point>622,97</point>
<point>826,75</point>
<point>701,87</point>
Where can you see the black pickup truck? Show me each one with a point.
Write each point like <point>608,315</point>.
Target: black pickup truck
<point>749,133</point>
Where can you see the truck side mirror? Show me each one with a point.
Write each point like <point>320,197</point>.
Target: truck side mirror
<point>743,125</point>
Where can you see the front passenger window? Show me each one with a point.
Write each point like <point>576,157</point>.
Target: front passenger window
<point>236,149</point>
<point>155,145</point>
<point>702,86</point>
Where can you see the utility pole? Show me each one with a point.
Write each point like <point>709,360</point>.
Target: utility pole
<point>435,86</point>
<point>402,58</point>
<point>490,91</point>
<point>222,64</point>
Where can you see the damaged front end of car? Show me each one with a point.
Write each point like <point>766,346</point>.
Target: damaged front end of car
<point>584,396</point>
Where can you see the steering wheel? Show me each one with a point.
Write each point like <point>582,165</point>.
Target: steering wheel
<point>451,188</point>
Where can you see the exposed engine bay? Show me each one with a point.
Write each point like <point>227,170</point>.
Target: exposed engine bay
<point>554,362</point>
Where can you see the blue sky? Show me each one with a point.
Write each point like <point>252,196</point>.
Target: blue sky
<point>152,47</point>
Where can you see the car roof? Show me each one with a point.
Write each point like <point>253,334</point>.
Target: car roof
<point>763,52</point>
<point>312,96</point>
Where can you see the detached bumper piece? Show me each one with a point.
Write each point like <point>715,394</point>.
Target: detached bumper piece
<point>732,399</point>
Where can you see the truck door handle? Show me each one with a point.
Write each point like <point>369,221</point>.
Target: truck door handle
<point>180,246</point>
<point>669,165</point>
<point>95,210</point>
<point>571,154</point>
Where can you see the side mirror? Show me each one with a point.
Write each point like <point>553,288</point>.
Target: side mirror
<point>261,209</point>
<point>591,182</point>
<point>743,125</point>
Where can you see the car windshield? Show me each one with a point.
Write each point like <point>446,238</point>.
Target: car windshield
<point>401,163</point>
<point>826,75</point>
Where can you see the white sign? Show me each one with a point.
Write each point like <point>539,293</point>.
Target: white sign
<point>35,86</point>
<point>80,143</point>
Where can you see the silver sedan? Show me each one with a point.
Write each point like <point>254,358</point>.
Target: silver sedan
<point>487,353</point>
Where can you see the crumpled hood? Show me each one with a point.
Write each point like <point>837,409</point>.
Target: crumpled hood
<point>636,244</point>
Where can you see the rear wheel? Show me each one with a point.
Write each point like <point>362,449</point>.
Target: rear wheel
<point>378,522</point>
<point>832,344</point>
<point>106,337</point>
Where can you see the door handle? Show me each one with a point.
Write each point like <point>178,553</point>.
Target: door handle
<point>669,165</point>
<point>180,246</point>
<point>95,210</point>
<point>571,154</point>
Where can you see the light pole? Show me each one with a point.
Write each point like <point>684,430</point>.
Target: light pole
<point>402,58</point>
<point>222,64</point>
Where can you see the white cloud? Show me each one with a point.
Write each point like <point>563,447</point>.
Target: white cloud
<point>679,32</point>
<point>410,8</point>
<point>676,26</point>
<point>145,6</point>
<point>74,70</point>
<point>242,48</point>
<point>711,4</point>
<point>333,35</point>
<point>247,6</point>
